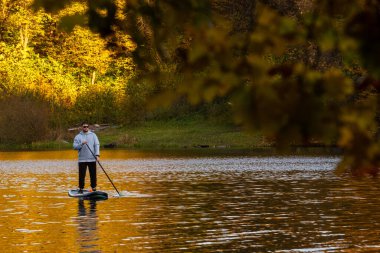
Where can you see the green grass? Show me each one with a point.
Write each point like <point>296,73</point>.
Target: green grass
<point>187,133</point>
<point>41,145</point>
<point>180,134</point>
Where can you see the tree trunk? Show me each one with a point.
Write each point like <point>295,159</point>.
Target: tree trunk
<point>93,77</point>
<point>24,38</point>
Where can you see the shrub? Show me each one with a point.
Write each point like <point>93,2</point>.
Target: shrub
<point>23,120</point>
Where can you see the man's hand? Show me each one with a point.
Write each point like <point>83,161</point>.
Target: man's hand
<point>84,142</point>
<point>97,158</point>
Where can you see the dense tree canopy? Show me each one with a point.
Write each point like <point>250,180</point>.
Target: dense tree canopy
<point>301,72</point>
<point>70,69</point>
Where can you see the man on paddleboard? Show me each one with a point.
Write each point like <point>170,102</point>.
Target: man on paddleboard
<point>84,141</point>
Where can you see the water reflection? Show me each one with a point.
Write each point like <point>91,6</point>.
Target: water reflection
<point>208,204</point>
<point>87,226</point>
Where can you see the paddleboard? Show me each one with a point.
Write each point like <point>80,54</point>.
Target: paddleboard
<point>90,195</point>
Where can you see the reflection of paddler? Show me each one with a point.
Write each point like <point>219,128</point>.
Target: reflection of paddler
<point>87,225</point>
<point>82,210</point>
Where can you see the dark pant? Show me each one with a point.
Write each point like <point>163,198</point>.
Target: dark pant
<point>82,173</point>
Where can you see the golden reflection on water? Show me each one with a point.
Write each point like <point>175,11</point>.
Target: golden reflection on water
<point>114,154</point>
<point>71,154</point>
<point>45,219</point>
<point>189,205</point>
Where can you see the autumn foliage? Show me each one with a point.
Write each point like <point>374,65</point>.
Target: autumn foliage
<point>301,72</point>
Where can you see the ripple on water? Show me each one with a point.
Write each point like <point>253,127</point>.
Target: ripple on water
<point>241,204</point>
<point>28,231</point>
<point>274,164</point>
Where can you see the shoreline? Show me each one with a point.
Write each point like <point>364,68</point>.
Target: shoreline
<point>190,135</point>
<point>197,151</point>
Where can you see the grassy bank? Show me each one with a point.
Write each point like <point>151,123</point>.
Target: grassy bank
<point>200,136</point>
<point>186,133</point>
<point>181,134</point>
<point>191,133</point>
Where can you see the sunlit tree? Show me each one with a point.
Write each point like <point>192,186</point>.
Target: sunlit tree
<point>63,62</point>
<point>299,71</point>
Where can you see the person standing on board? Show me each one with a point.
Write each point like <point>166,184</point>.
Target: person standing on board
<point>84,141</point>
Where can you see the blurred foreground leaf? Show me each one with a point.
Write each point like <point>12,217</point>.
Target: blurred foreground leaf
<point>291,69</point>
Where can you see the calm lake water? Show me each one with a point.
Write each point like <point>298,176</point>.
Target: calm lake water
<point>187,204</point>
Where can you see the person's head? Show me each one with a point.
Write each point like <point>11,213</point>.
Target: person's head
<point>85,126</point>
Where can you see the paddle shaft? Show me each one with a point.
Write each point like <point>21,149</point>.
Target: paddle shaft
<point>103,169</point>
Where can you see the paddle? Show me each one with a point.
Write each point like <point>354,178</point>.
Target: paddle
<point>103,169</point>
